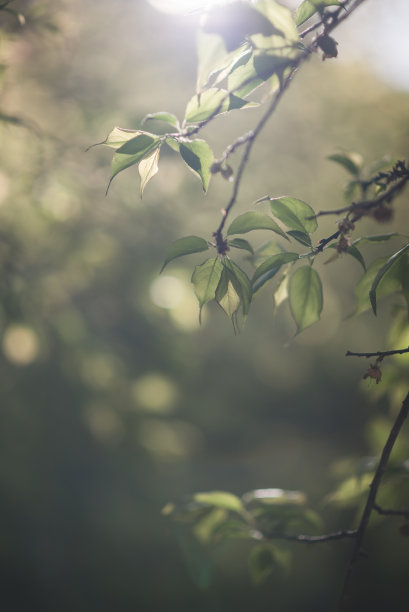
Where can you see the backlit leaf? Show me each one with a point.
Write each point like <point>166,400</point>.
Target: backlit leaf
<point>199,157</point>
<point>296,214</point>
<point>148,167</point>
<point>213,102</point>
<point>205,279</point>
<point>185,246</point>
<point>254,220</point>
<point>305,294</point>
<point>132,152</point>
<point>309,7</point>
<point>383,272</point>
<point>226,295</point>
<point>163,116</point>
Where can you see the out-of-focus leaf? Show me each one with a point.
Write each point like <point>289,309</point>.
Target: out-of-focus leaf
<point>301,237</point>
<point>132,152</point>
<point>352,162</point>
<point>240,243</point>
<point>351,491</point>
<point>387,285</point>
<point>261,563</point>
<point>270,267</point>
<point>281,17</point>
<point>185,246</point>
<point>243,78</point>
<point>296,214</point>
<point>213,59</point>
<point>309,7</point>
<point>376,238</point>
<point>213,102</point>
<point>305,295</point>
<point>163,116</point>
<point>205,280</point>
<point>148,167</point>
<point>384,271</point>
<point>254,220</point>
<point>267,64</point>
<point>199,157</point>
<point>281,292</point>
<point>220,499</point>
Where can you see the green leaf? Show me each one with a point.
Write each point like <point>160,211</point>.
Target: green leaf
<point>309,7</point>
<point>270,267</point>
<point>388,284</point>
<point>280,16</point>
<point>241,283</point>
<point>300,237</point>
<point>352,162</point>
<point>220,499</point>
<point>226,295</point>
<point>240,243</point>
<point>305,293</point>
<point>213,102</point>
<point>132,152</point>
<point>267,64</point>
<point>199,157</point>
<point>353,251</point>
<point>261,563</point>
<point>254,220</point>
<point>205,279</point>
<point>296,214</point>
<point>185,246</point>
<point>383,272</point>
<point>213,59</point>
<point>163,116</point>
<point>148,167</point>
<point>117,138</point>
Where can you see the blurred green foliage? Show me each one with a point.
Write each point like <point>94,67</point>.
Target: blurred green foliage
<point>113,400</point>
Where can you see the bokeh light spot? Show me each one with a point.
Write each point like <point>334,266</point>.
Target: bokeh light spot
<point>20,344</point>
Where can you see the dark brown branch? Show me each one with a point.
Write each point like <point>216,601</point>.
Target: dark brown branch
<point>378,353</point>
<point>338,535</point>
<point>370,502</point>
<point>390,512</point>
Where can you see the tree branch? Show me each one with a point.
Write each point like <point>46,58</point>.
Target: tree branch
<point>390,512</point>
<point>338,535</point>
<point>378,353</point>
<point>370,502</point>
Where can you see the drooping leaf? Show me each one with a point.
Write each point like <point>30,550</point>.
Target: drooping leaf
<point>132,152</point>
<point>351,250</point>
<point>309,7</point>
<point>352,162</point>
<point>185,246</point>
<point>220,499</point>
<point>199,157</point>
<point>205,279</point>
<point>261,563</point>
<point>213,102</point>
<point>388,284</point>
<point>305,293</point>
<point>270,267</point>
<point>166,117</point>
<point>241,283</point>
<point>226,295</point>
<point>254,220</point>
<point>296,214</point>
<point>240,243</point>
<point>148,167</point>
<point>384,271</point>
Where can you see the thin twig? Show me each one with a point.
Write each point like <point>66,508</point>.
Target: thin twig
<point>370,502</point>
<point>378,353</point>
<point>390,512</point>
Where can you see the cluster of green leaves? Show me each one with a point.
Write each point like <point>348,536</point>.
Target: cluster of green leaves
<point>205,519</point>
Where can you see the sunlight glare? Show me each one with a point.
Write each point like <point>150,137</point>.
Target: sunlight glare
<point>184,6</point>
